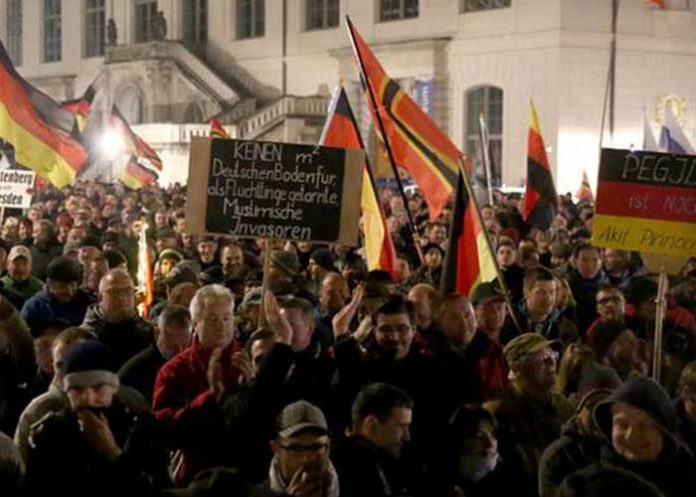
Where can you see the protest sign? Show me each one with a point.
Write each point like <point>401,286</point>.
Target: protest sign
<point>274,190</point>
<point>16,188</point>
<point>646,201</point>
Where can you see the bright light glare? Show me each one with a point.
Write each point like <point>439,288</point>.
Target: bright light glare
<point>111,145</point>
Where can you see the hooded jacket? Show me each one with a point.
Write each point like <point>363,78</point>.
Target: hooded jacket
<point>674,472</point>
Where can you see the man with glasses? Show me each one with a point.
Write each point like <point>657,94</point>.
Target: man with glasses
<point>115,320</point>
<point>530,414</point>
<point>611,304</point>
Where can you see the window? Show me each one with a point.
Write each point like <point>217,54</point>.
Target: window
<point>391,10</point>
<point>488,101</point>
<point>95,26</point>
<point>322,14</point>
<point>250,19</point>
<point>196,21</point>
<point>14,31</point>
<point>52,32</point>
<point>476,5</point>
<point>145,14</point>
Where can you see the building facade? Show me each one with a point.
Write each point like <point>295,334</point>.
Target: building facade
<point>266,68</point>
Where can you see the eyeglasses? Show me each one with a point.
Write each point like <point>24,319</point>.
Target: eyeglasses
<point>305,448</point>
<point>401,329</point>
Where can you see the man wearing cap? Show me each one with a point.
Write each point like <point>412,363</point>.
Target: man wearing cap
<point>285,266</point>
<point>97,446</point>
<point>529,414</point>
<point>61,297</point>
<point>19,284</point>
<point>301,466</point>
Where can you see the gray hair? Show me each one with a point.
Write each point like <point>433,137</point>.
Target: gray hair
<point>209,292</point>
<point>173,314</point>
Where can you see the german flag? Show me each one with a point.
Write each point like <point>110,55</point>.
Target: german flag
<point>37,128</point>
<point>341,130</point>
<point>540,199</point>
<point>144,163</point>
<point>145,278</point>
<point>468,260</point>
<point>417,144</point>
<point>584,192</point>
<point>80,107</point>
<point>217,131</point>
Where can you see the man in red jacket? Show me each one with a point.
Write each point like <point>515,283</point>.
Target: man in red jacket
<point>189,387</point>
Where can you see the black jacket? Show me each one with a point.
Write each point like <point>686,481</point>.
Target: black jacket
<point>140,371</point>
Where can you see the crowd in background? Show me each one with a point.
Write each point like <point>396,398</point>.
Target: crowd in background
<point>337,380</point>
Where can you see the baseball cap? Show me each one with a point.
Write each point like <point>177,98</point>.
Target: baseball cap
<point>486,292</point>
<point>19,251</point>
<point>301,416</point>
<point>525,344</point>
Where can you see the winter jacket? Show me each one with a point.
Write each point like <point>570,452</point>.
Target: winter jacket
<point>687,427</point>
<point>555,327</point>
<point>585,293</point>
<point>188,411</point>
<point>140,371</point>
<point>125,339</point>
<point>41,257</point>
<point>20,291</point>
<point>42,307</point>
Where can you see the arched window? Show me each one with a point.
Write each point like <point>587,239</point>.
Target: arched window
<point>488,102</point>
<point>193,114</point>
<point>130,103</point>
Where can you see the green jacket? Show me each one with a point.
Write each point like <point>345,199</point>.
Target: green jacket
<point>22,289</point>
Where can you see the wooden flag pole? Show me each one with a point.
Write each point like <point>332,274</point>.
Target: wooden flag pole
<point>485,155</point>
<point>265,281</point>
<point>660,310</point>
<point>489,245</point>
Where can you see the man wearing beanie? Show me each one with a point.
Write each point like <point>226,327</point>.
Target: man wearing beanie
<point>321,263</point>
<point>639,428</point>
<point>96,446</point>
<point>61,297</point>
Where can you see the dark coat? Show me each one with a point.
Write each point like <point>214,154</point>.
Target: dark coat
<point>140,371</point>
<point>124,339</point>
<point>41,257</point>
<point>62,462</point>
<point>43,307</point>
<point>585,293</point>
<point>556,326</point>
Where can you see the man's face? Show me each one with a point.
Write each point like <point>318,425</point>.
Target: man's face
<point>232,259</point>
<point>94,272</point>
<point>437,234</point>
<point>611,304</point>
<point>207,251</point>
<point>100,395</point>
<point>433,259</point>
<point>117,298</point>
<point>62,291</point>
<point>160,220</point>
<point>305,451</point>
<point>506,256</point>
<point>423,306</point>
<point>541,297</point>
<point>166,265</point>
<point>538,369</point>
<point>393,432</point>
<point>635,435</point>
<point>333,294</point>
<point>259,349</point>
<point>174,338</point>
<point>302,329</point>
<point>615,260</point>
<point>588,263</point>
<point>19,268</point>
<point>87,253</point>
<point>623,353</point>
<point>490,316</point>
<point>483,445</point>
<point>43,349</point>
<point>187,240</point>
<point>457,322</point>
<point>394,334</point>
<point>75,235</point>
<point>40,233</point>
<point>215,325</point>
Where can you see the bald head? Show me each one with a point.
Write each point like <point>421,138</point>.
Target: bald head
<point>116,296</point>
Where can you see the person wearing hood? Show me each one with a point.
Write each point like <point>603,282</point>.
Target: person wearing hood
<point>686,404</point>
<point>114,318</point>
<point>639,427</point>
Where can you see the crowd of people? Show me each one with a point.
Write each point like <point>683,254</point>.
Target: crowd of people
<point>335,380</point>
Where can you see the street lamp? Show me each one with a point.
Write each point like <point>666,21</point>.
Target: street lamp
<point>111,146</point>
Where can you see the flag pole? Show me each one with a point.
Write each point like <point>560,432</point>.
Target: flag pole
<point>489,245</point>
<point>485,155</point>
<point>385,140</point>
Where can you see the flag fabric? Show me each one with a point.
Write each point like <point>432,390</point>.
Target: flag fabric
<point>468,261</point>
<point>655,4</point>
<point>417,144</point>
<point>37,128</point>
<point>672,137</point>
<point>80,107</point>
<point>649,142</point>
<point>217,131</point>
<point>145,279</point>
<point>584,193</point>
<point>540,199</point>
<point>342,131</point>
<point>143,164</point>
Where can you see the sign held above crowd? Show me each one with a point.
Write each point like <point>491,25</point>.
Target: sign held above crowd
<point>646,201</point>
<point>16,188</point>
<point>272,190</point>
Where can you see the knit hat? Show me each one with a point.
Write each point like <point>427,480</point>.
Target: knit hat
<point>433,246</point>
<point>523,345</point>
<point>603,336</point>
<point>597,382</point>
<point>324,259</point>
<point>252,297</point>
<point>88,363</point>
<point>287,261</point>
<point>301,416</point>
<point>64,269</point>
<point>171,254</point>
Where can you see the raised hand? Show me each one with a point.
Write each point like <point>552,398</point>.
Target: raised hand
<point>341,321</point>
<point>96,430</point>
<point>275,320</point>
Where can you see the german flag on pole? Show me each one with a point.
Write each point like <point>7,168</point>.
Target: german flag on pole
<point>584,193</point>
<point>418,145</point>
<point>81,107</point>
<point>145,278</point>
<point>144,163</point>
<point>540,199</point>
<point>341,130</point>
<point>217,131</point>
<point>468,259</point>
<point>35,126</point>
